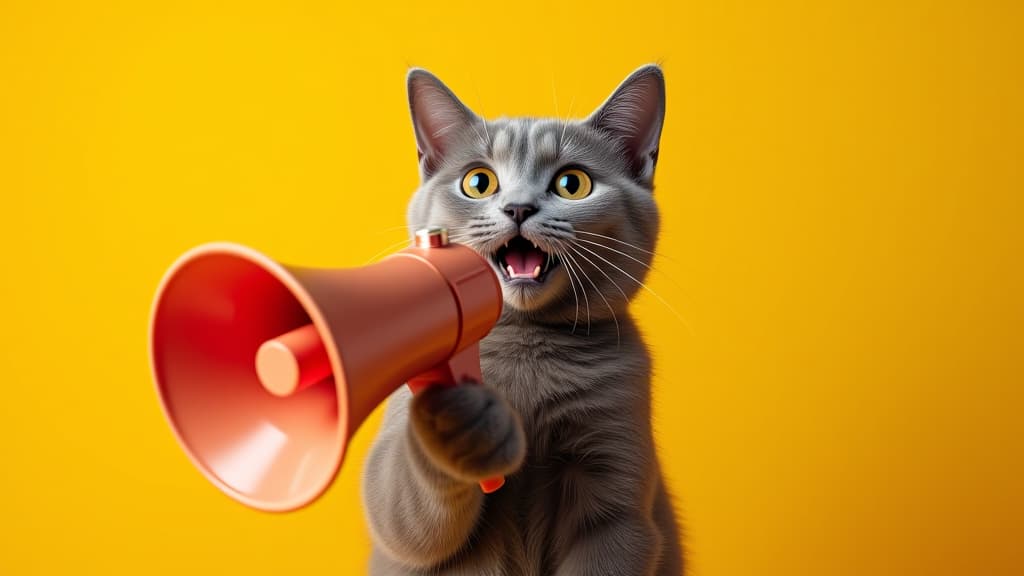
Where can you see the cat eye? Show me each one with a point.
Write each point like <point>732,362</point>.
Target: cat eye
<point>479,183</point>
<point>572,184</point>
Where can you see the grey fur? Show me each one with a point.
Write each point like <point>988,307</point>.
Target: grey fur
<point>565,406</point>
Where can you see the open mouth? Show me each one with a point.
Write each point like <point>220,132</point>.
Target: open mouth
<point>520,259</point>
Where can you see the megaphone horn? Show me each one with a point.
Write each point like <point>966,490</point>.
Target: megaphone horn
<point>265,371</point>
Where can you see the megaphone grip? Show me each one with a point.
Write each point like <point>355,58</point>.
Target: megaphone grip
<point>490,485</point>
<point>461,368</point>
<point>293,361</point>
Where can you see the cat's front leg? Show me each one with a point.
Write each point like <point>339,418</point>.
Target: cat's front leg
<point>607,485</point>
<point>469,431</point>
<point>421,482</point>
<point>625,546</point>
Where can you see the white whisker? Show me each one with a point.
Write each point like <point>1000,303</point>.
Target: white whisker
<point>569,268</point>
<point>644,286</point>
<point>483,114</point>
<point>391,248</point>
<point>554,94</point>
<point>575,296</point>
<point>625,299</point>
<point>640,262</point>
<point>615,318</point>
<point>392,229</point>
<point>565,123</point>
<point>480,136</point>
<point>635,247</point>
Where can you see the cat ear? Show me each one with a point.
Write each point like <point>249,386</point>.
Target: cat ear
<point>438,117</point>
<point>634,114</point>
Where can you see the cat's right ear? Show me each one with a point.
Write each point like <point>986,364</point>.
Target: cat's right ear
<point>438,117</point>
<point>634,114</point>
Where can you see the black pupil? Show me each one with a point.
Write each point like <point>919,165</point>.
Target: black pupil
<point>570,182</point>
<point>480,182</point>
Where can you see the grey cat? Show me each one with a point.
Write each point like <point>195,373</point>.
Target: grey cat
<point>564,211</point>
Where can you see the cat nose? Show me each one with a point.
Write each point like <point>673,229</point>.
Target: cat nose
<point>519,212</point>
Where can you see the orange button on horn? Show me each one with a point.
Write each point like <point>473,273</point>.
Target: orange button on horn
<point>293,361</point>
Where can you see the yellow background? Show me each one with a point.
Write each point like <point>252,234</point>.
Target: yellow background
<point>841,190</point>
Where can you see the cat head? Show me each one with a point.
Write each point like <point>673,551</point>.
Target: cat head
<point>563,210</point>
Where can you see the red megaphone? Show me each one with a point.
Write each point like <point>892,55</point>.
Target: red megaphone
<point>265,371</point>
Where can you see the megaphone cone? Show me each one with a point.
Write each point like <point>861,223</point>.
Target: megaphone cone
<point>265,371</point>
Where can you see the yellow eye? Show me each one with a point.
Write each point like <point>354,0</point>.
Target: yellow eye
<point>573,184</point>
<point>479,183</point>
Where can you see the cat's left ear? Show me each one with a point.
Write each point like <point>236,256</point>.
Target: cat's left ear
<point>438,117</point>
<point>634,114</point>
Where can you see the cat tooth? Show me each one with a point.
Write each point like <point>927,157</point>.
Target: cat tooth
<point>511,271</point>
<point>536,272</point>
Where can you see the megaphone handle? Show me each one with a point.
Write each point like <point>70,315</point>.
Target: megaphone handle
<point>462,367</point>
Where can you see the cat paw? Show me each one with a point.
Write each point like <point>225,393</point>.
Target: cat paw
<point>469,431</point>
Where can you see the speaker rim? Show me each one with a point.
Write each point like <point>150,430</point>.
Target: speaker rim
<point>282,274</point>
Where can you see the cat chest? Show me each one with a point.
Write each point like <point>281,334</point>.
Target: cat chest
<point>535,513</point>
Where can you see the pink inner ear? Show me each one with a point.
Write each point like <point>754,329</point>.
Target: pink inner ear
<point>437,115</point>
<point>648,114</point>
<point>634,113</point>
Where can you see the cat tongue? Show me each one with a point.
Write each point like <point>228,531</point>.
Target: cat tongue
<point>524,263</point>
